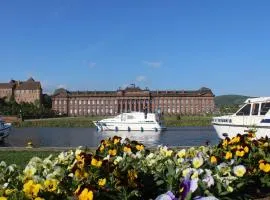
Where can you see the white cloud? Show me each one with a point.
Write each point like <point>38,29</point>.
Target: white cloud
<point>154,64</point>
<point>140,78</point>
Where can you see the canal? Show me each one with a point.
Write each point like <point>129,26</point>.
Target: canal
<point>74,137</point>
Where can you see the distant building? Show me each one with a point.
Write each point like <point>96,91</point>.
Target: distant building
<point>84,103</point>
<point>29,91</point>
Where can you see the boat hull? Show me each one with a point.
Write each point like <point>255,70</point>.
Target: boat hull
<point>4,131</point>
<point>128,126</point>
<point>230,131</point>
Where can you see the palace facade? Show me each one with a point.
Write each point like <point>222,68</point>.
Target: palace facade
<point>85,103</point>
<point>29,91</point>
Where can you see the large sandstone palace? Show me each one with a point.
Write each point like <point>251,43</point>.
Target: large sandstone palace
<point>29,91</point>
<point>84,103</point>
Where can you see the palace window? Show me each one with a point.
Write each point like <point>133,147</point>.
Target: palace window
<point>80,102</point>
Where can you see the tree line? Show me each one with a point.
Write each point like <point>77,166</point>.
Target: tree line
<point>27,110</point>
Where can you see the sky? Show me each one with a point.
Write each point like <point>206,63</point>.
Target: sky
<point>159,44</point>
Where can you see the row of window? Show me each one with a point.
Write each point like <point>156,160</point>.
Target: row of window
<point>158,102</point>
<point>25,91</point>
<point>112,111</point>
<point>254,109</point>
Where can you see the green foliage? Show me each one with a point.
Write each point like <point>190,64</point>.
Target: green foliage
<point>25,110</point>
<point>229,108</point>
<point>229,100</point>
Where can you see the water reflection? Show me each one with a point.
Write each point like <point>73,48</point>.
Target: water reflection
<point>74,137</point>
<point>148,138</point>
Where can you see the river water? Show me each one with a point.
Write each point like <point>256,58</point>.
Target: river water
<point>74,137</point>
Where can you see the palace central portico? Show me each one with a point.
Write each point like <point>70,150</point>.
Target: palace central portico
<point>83,103</point>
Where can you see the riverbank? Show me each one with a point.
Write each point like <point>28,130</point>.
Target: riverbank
<point>73,122</point>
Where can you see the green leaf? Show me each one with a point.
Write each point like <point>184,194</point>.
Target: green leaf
<point>160,182</point>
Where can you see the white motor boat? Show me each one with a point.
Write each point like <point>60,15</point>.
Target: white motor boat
<point>4,129</point>
<point>253,115</point>
<point>134,121</point>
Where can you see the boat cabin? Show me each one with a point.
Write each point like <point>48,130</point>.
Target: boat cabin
<point>254,107</point>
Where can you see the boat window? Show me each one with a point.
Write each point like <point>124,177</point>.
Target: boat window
<point>264,108</point>
<point>255,109</point>
<point>244,111</point>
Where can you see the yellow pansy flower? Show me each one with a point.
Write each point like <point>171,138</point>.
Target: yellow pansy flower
<point>96,163</point>
<point>3,198</point>
<point>224,142</point>
<point>246,149</point>
<point>50,185</point>
<point>139,147</point>
<point>235,140</point>
<point>181,153</point>
<point>264,166</point>
<point>112,152</point>
<point>39,198</point>
<point>86,195</point>
<point>116,140</point>
<point>197,162</point>
<point>240,153</point>
<point>31,189</point>
<point>102,182</point>
<point>101,148</point>
<point>228,155</point>
<point>213,159</point>
<point>127,149</point>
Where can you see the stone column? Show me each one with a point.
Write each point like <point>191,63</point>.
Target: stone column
<point>125,105</point>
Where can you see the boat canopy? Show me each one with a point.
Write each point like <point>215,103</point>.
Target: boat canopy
<point>258,100</point>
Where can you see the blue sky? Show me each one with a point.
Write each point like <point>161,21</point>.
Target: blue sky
<point>103,45</point>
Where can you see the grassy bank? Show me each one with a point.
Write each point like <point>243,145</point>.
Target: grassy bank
<point>170,121</point>
<point>21,158</point>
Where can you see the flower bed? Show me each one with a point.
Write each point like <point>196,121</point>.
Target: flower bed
<point>124,169</point>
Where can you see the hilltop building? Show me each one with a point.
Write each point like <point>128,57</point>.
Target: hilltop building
<point>29,91</point>
<point>84,103</point>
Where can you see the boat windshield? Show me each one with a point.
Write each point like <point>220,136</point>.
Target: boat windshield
<point>264,108</point>
<point>244,111</point>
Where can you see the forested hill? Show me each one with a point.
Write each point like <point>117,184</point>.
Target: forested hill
<point>230,100</point>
